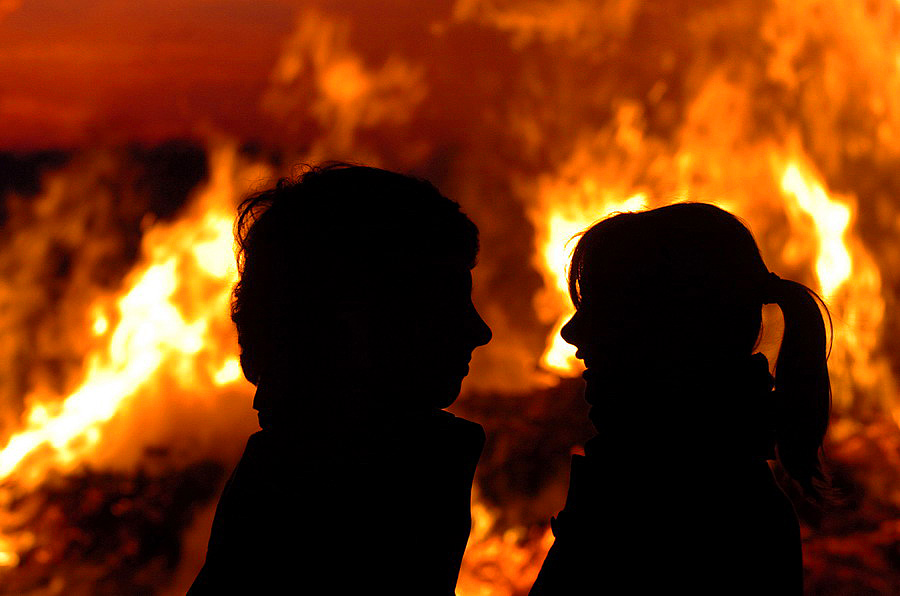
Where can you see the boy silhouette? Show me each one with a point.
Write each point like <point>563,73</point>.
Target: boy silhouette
<point>356,324</point>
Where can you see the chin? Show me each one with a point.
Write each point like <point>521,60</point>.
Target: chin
<point>591,393</point>
<point>445,394</point>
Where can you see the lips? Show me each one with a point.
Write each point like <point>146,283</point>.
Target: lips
<point>463,368</point>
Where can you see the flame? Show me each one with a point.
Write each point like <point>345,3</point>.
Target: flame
<point>570,211</point>
<point>154,326</point>
<point>857,308</point>
<point>348,95</point>
<point>229,372</point>
<point>604,114</point>
<point>171,315</point>
<point>831,219</point>
<point>101,324</point>
<point>500,562</point>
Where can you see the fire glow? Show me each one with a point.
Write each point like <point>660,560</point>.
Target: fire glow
<point>786,114</point>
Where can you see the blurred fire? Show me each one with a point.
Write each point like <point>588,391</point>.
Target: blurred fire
<point>566,213</point>
<point>170,314</point>
<point>121,379</point>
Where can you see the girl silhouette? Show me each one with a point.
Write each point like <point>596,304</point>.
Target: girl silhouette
<point>675,492</point>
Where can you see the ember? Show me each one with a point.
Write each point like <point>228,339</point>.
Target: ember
<point>122,403</point>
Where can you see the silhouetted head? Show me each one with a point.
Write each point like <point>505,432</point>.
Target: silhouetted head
<point>355,282</point>
<point>676,286</point>
<point>668,312</point>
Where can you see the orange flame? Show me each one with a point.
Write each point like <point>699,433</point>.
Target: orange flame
<point>154,327</point>
<point>495,562</point>
<point>699,135</point>
<point>831,219</point>
<point>558,229</point>
<point>170,316</point>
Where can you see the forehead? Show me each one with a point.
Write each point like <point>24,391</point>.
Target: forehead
<point>413,282</point>
<point>423,290</point>
<point>443,278</point>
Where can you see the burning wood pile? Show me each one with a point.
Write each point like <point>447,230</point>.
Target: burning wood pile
<point>122,405</point>
<point>93,533</point>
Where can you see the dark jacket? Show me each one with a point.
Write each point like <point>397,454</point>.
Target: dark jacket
<point>703,525</point>
<point>375,513</point>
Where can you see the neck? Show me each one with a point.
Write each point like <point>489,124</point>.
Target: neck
<point>721,411</point>
<point>322,408</point>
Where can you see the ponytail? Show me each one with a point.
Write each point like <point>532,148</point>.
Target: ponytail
<point>802,387</point>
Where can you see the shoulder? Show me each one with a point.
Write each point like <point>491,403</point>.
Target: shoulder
<point>455,441</point>
<point>459,428</point>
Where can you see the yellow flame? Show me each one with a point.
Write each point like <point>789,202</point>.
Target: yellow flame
<point>831,219</point>
<point>229,372</point>
<point>8,558</point>
<point>563,223</point>
<point>175,298</point>
<point>215,255</point>
<point>149,323</point>
<point>101,324</point>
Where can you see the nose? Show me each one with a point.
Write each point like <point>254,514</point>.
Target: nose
<point>571,330</point>
<point>481,333</point>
